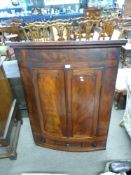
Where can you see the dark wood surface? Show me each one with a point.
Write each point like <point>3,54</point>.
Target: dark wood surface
<point>69,108</point>
<point>6,100</point>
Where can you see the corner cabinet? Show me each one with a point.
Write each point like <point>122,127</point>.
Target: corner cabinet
<point>69,90</point>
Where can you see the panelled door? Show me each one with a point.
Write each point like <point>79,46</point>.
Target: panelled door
<point>50,97</point>
<point>83,102</point>
<point>68,101</point>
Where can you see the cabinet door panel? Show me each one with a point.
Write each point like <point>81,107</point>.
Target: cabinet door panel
<point>50,97</point>
<point>86,85</point>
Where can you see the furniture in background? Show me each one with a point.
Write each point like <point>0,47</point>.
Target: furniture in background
<point>127,115</point>
<point>116,34</point>
<point>40,17</point>
<point>126,55</point>
<point>120,89</point>
<point>74,29</point>
<point>69,88</point>
<point>11,71</point>
<point>127,8</point>
<point>92,12</point>
<point>125,64</point>
<point>97,33</point>
<point>12,33</point>
<point>117,167</point>
<point>10,121</point>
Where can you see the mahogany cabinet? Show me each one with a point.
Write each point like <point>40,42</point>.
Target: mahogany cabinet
<point>69,89</point>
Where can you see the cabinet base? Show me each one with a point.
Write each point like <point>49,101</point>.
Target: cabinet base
<point>85,145</point>
<point>70,149</point>
<point>10,150</point>
<point>9,140</point>
<point>73,147</point>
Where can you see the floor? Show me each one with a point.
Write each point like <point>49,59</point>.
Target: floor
<point>32,158</point>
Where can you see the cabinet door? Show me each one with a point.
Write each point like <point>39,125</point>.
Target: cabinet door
<point>85,93</point>
<point>50,99</point>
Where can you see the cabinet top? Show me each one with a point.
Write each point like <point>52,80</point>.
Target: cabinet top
<point>68,44</point>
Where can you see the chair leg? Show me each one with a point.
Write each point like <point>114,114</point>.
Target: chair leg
<point>117,97</point>
<point>120,100</point>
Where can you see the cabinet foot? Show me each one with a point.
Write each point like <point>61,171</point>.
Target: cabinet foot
<point>13,156</point>
<point>10,151</point>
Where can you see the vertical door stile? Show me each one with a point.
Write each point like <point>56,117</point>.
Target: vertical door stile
<point>97,101</point>
<point>63,101</point>
<point>35,83</point>
<point>68,77</point>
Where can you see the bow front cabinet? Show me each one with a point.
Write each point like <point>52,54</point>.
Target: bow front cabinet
<point>69,89</point>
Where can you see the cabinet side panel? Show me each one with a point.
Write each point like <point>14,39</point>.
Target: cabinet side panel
<point>31,102</point>
<point>106,100</point>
